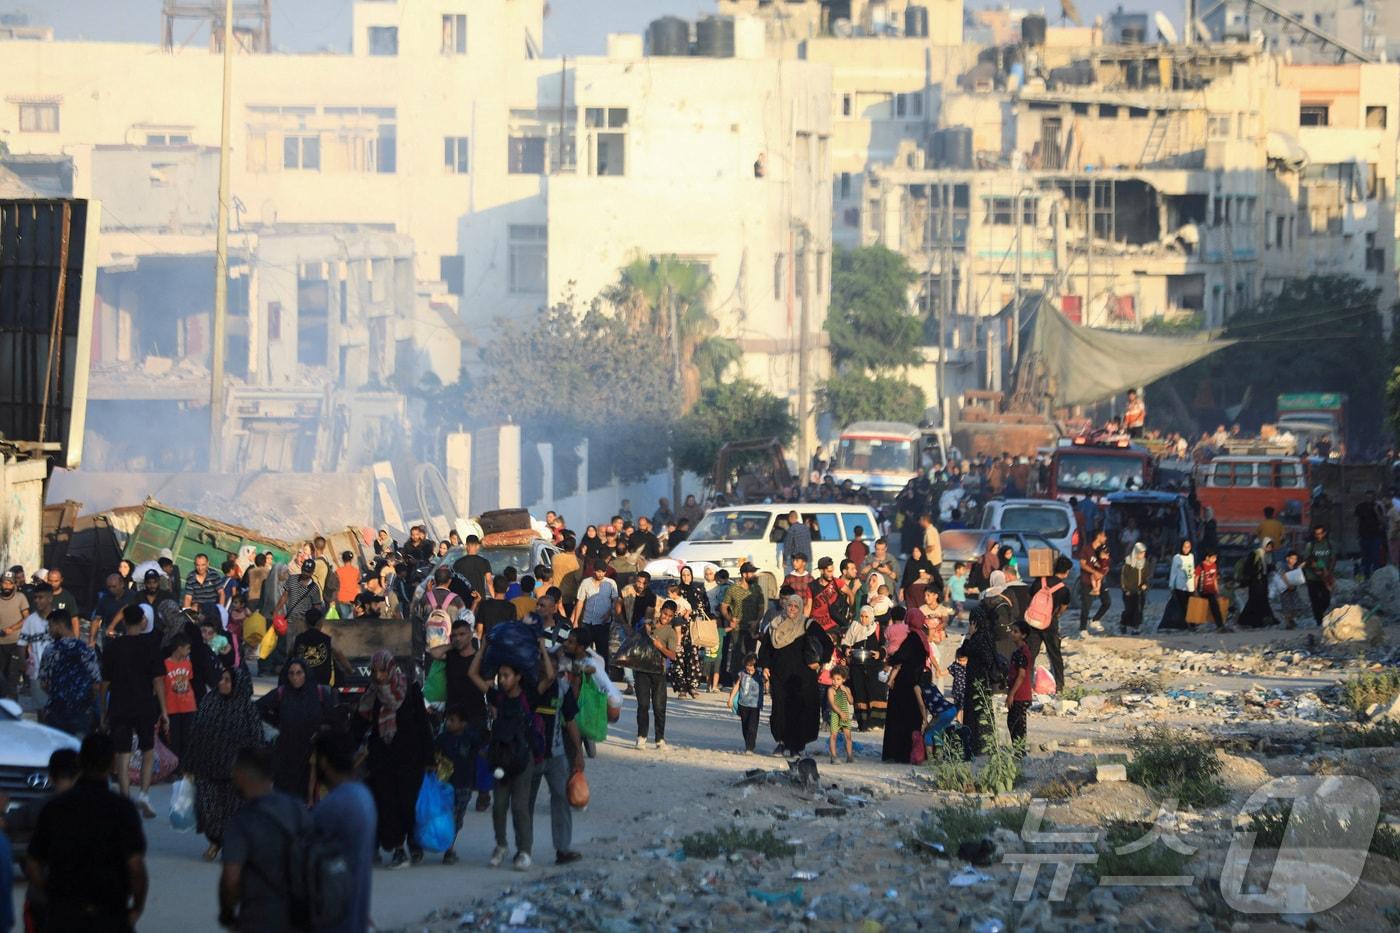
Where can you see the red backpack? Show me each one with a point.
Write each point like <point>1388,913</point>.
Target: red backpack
<point>1041,612</point>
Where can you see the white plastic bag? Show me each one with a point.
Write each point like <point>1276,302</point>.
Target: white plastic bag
<point>182,806</point>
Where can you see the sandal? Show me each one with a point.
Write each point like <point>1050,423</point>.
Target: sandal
<point>212,852</point>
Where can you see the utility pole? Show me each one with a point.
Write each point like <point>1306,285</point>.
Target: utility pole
<point>804,374</point>
<point>1020,206</point>
<point>216,369</point>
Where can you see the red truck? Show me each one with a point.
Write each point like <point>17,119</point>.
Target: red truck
<point>1085,468</point>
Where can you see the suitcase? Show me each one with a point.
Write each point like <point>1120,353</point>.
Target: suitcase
<point>499,520</point>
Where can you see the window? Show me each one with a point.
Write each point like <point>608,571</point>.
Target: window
<point>1002,211</point>
<point>528,248</point>
<point>526,155</point>
<point>828,528</point>
<point>274,320</point>
<point>779,276</point>
<point>1375,118</point>
<point>301,152</point>
<point>1108,111</point>
<point>843,189</point>
<point>454,155</point>
<point>38,118</point>
<point>167,139</point>
<point>607,140</point>
<point>821,272</point>
<point>909,105</point>
<point>1375,258</point>
<point>851,217</point>
<point>1312,115</point>
<point>846,105</point>
<point>383,40</point>
<point>454,34</point>
<point>1219,126</point>
<point>853,520</point>
<point>799,274</point>
<point>452,270</point>
<point>161,174</point>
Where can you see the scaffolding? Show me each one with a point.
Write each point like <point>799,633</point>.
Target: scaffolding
<point>252,24</point>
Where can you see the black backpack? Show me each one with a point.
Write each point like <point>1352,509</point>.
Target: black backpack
<point>317,881</point>
<point>512,744</point>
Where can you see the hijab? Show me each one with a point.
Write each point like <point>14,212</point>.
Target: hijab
<point>880,604</point>
<point>861,629</point>
<point>911,568</point>
<point>996,583</point>
<point>1138,558</point>
<point>991,560</point>
<point>389,695</point>
<point>223,725</point>
<point>786,630</point>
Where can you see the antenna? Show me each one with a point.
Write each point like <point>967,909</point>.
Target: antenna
<point>1165,29</point>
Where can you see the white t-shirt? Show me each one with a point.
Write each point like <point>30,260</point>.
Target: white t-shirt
<point>34,633</point>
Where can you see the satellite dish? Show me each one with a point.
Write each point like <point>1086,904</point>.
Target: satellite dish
<point>1070,12</point>
<point>1165,29</point>
<point>1202,32</point>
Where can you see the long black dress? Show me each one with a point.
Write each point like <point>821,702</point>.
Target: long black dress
<point>795,718</point>
<point>1257,612</point>
<point>902,718</point>
<point>867,691</point>
<point>396,768</point>
<point>298,716</point>
<point>981,669</point>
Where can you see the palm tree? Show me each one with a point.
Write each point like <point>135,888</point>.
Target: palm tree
<point>669,296</point>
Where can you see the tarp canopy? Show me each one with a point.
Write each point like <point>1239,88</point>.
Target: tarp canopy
<point>1088,364</point>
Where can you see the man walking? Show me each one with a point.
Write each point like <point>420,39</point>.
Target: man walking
<point>796,540</point>
<point>742,611</point>
<point>1093,576</point>
<point>253,886</point>
<point>14,609</point>
<point>346,816</point>
<point>563,752</point>
<point>69,676</point>
<point>651,685</point>
<point>133,688</point>
<point>204,586</point>
<point>598,601</point>
<point>1319,567</point>
<point>88,853</point>
<point>1049,637</point>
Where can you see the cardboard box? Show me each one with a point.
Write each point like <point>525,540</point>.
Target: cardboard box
<point>1198,609</point>
<point>1041,561</point>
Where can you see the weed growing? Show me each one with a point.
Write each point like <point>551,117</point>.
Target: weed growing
<point>1175,764</point>
<point>713,844</point>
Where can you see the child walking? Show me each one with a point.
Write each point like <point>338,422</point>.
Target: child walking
<point>1018,695</point>
<point>842,706</point>
<point>456,745</point>
<point>746,699</point>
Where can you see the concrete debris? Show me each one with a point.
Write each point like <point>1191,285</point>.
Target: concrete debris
<point>1109,772</point>
<point>1351,624</point>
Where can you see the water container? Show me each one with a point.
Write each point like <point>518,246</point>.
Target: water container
<point>916,22</point>
<point>1033,30</point>
<point>669,35</point>
<point>714,36</point>
<point>952,147</point>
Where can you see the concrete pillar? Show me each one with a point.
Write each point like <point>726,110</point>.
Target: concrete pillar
<point>546,455</point>
<point>458,460</point>
<point>582,451</point>
<point>508,454</point>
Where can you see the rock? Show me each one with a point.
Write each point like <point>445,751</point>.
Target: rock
<point>1093,703</point>
<point>1065,706</point>
<point>1390,710</point>
<point>1109,771</point>
<point>1351,624</point>
<point>1050,747</point>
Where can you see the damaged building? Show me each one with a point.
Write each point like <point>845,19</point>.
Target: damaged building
<point>326,328</point>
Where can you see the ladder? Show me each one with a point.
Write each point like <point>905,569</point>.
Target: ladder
<point>1156,137</point>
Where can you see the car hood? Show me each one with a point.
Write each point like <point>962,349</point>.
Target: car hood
<point>29,744</point>
<point>716,552</point>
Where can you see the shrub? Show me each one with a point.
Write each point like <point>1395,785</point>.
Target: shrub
<point>1141,683</point>
<point>1384,734</point>
<point>950,772</point>
<point>1155,860</point>
<point>1175,764</point>
<point>732,839</point>
<point>1362,690</point>
<point>966,822</point>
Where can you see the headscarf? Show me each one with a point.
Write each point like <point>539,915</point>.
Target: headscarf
<point>996,583</point>
<point>911,568</point>
<point>785,630</point>
<point>222,726</point>
<point>1138,558</point>
<point>991,559</point>
<point>390,694</point>
<point>880,604</point>
<point>861,629</point>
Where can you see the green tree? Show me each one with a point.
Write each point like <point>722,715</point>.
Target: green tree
<point>662,294</point>
<point>1321,333</point>
<point>853,396</point>
<point>1392,404</point>
<point>735,411</point>
<point>869,323</point>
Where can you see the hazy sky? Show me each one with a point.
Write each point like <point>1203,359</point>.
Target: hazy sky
<point>573,26</point>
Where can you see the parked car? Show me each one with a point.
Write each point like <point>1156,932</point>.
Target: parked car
<point>1162,520</point>
<point>25,747</point>
<point>1049,518</point>
<point>729,537</point>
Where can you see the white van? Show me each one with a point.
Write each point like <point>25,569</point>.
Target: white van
<point>729,537</point>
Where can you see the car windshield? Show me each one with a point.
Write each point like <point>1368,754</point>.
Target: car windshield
<point>731,525</point>
<point>502,557</point>
<point>876,455</point>
<point>1051,522</point>
<point>1097,473</point>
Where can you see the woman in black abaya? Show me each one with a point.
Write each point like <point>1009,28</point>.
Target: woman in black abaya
<point>791,652</point>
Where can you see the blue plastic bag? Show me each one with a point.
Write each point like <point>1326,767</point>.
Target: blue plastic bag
<point>182,806</point>
<point>515,644</point>
<point>434,829</point>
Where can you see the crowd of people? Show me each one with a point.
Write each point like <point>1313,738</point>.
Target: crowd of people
<point>168,660</point>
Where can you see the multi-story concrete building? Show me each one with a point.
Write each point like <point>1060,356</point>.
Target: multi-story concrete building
<point>520,180</point>
<point>1309,31</point>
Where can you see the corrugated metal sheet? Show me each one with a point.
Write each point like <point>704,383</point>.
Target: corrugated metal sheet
<point>32,235</point>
